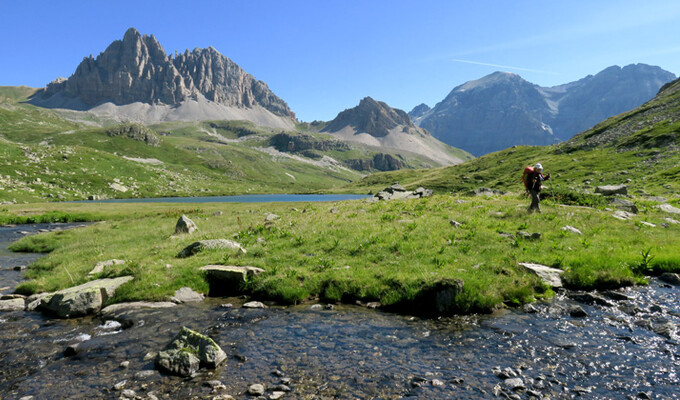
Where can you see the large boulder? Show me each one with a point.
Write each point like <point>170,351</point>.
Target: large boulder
<point>227,280</point>
<point>189,351</point>
<point>397,191</point>
<point>185,225</point>
<point>212,244</point>
<point>623,204</point>
<point>610,190</point>
<point>550,276</point>
<point>82,300</point>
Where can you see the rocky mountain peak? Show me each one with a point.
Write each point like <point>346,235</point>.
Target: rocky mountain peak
<point>373,117</point>
<point>418,111</point>
<point>137,69</point>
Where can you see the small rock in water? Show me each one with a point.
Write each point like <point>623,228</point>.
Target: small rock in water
<point>514,383</point>
<point>577,311</point>
<point>254,304</point>
<point>144,374</point>
<point>437,382</point>
<point>670,277</point>
<point>316,307</point>
<point>276,395</point>
<point>20,268</point>
<point>124,364</point>
<point>256,389</point>
<point>128,394</point>
<point>120,385</point>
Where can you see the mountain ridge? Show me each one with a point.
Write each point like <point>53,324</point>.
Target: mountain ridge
<point>502,109</point>
<point>136,69</point>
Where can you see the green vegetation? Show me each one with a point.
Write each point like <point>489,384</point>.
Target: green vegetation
<point>389,251</point>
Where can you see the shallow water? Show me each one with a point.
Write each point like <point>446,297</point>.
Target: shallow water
<point>246,198</point>
<point>626,350</point>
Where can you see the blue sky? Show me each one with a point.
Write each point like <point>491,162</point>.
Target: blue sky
<point>324,56</point>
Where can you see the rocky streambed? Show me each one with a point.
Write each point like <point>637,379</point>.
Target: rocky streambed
<point>613,345</point>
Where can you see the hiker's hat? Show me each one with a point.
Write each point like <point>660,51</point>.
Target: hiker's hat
<point>538,167</point>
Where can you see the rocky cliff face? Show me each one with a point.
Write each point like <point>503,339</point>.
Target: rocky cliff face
<point>137,69</point>
<point>502,109</point>
<point>373,117</point>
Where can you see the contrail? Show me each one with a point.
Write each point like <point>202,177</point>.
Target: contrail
<point>504,66</point>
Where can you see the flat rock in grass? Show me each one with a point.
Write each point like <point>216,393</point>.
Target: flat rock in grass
<point>484,192</point>
<point>99,267</point>
<point>610,190</point>
<point>185,225</point>
<point>570,228</point>
<point>133,306</point>
<point>623,215</point>
<point>623,204</point>
<point>82,300</point>
<point>669,209</point>
<point>211,244</point>
<point>186,295</point>
<point>649,224</point>
<point>187,352</point>
<point>12,304</point>
<point>672,221</point>
<point>550,276</point>
<point>670,277</point>
<point>227,280</point>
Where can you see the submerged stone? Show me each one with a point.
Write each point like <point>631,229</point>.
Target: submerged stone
<point>189,351</point>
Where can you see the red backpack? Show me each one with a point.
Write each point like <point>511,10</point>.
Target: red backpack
<point>527,171</point>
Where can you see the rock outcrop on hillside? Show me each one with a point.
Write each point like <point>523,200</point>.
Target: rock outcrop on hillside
<point>502,109</point>
<point>137,69</point>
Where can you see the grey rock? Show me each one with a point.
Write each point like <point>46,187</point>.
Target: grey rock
<point>672,221</point>
<point>135,305</point>
<point>99,267</point>
<point>666,329</point>
<point>669,209</point>
<point>124,365</point>
<point>256,389</point>
<point>254,304</point>
<point>12,305</point>
<point>212,244</point>
<point>185,225</point>
<point>570,228</point>
<point>623,204</point>
<point>145,374</point>
<point>455,224</point>
<point>83,299</point>
<point>550,276</point>
<point>623,215</point>
<point>227,279</point>
<point>670,277</point>
<point>128,394</point>
<point>120,385</point>
<point>271,217</point>
<point>188,351</point>
<point>610,190</point>
<point>217,213</point>
<point>276,395</point>
<point>20,268</point>
<point>590,298</point>
<point>485,192</point>
<point>186,295</point>
<point>577,311</point>
<point>514,383</point>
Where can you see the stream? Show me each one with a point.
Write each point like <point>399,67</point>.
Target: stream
<point>622,348</point>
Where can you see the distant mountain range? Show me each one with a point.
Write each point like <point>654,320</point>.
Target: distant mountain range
<point>134,79</point>
<point>501,110</point>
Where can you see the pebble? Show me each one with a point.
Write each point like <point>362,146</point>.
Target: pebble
<point>124,364</point>
<point>120,385</point>
<point>276,395</point>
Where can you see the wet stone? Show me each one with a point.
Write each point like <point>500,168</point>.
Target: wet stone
<point>577,311</point>
<point>256,389</point>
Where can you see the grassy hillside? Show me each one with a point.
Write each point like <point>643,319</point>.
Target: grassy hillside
<point>54,155</point>
<point>639,148</point>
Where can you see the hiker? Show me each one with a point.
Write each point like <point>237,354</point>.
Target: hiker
<point>533,183</point>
